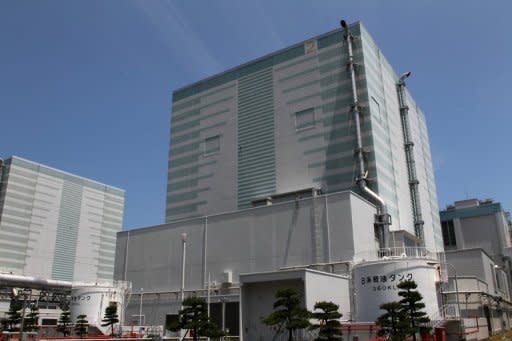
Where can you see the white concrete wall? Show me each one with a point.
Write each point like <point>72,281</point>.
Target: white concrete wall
<point>376,282</point>
<point>330,288</point>
<point>257,240</point>
<point>42,225</point>
<point>257,303</point>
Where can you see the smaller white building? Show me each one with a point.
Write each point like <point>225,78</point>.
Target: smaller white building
<point>476,236</point>
<point>57,225</point>
<point>258,296</point>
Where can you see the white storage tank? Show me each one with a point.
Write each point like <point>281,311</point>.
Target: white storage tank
<point>375,283</point>
<point>91,299</point>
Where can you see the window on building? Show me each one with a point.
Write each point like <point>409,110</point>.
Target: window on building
<point>48,322</point>
<point>305,119</point>
<point>448,233</point>
<point>211,144</point>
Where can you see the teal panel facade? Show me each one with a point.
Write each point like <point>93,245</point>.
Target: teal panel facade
<point>486,209</point>
<point>67,232</point>
<point>256,144</point>
<point>272,153</point>
<point>44,212</point>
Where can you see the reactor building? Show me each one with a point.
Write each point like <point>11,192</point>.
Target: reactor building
<point>308,168</point>
<point>57,231</point>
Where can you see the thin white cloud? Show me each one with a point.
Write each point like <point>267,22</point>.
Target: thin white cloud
<point>264,16</point>
<point>179,36</point>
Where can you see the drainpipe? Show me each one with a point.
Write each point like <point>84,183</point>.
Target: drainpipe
<point>382,219</point>
<point>409,157</point>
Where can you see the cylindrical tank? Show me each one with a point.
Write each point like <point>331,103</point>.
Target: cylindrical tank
<point>91,299</point>
<point>376,282</point>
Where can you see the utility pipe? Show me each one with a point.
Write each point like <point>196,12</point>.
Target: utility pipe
<point>205,249</point>
<point>361,179</point>
<point>183,257</point>
<point>32,282</point>
<point>457,295</point>
<point>409,157</point>
<point>126,249</point>
<point>328,227</point>
<point>140,306</point>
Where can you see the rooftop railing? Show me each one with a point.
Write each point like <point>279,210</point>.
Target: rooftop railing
<point>397,252</point>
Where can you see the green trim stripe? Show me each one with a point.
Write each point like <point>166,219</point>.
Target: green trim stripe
<point>208,105</point>
<point>468,212</point>
<point>63,175</point>
<point>184,208</point>
<point>188,171</point>
<point>185,196</point>
<point>269,61</point>
<point>174,186</point>
<point>187,104</point>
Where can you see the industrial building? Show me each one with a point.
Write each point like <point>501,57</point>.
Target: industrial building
<point>477,240</point>
<point>56,228</point>
<point>57,225</point>
<point>285,122</point>
<point>307,168</point>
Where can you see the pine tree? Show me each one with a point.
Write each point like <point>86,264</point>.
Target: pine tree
<point>393,323</point>
<point>64,322</point>
<point>31,320</point>
<point>194,317</point>
<point>288,313</point>
<point>412,306</point>
<point>329,326</point>
<point>81,325</point>
<point>3,324</point>
<point>110,318</point>
<point>14,314</point>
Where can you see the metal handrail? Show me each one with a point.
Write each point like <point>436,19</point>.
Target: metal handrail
<point>397,252</point>
<point>406,251</point>
<point>445,313</point>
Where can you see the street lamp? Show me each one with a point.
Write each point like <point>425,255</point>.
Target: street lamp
<point>17,294</point>
<point>183,256</point>
<point>140,306</point>
<point>457,296</point>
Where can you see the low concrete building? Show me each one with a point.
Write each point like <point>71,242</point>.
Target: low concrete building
<point>258,296</point>
<point>325,232</point>
<point>479,290</point>
<point>476,236</point>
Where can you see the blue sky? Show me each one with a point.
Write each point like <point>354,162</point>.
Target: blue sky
<point>85,86</point>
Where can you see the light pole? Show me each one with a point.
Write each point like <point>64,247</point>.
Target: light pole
<point>457,297</point>
<point>183,257</point>
<point>140,306</point>
<point>16,294</point>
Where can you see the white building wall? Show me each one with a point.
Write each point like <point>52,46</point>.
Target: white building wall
<point>329,288</point>
<point>46,231</point>
<point>45,209</point>
<point>392,175</point>
<point>267,238</point>
<point>268,93</point>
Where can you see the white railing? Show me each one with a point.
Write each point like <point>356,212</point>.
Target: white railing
<point>446,313</point>
<point>403,252</point>
<point>396,252</point>
<point>298,335</point>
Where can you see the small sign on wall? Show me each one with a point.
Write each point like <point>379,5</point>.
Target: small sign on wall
<point>310,46</point>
